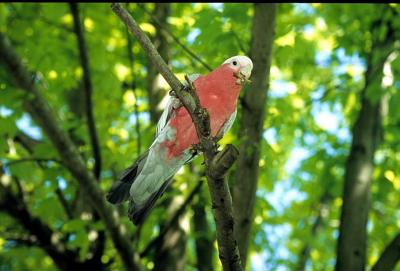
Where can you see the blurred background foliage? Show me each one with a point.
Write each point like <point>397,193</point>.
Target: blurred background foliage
<point>317,73</point>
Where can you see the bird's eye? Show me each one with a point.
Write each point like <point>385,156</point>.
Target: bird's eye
<point>234,63</point>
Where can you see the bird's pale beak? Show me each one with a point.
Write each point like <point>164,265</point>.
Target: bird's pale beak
<point>246,70</point>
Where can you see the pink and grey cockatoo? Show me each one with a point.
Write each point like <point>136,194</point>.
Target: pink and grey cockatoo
<point>146,180</point>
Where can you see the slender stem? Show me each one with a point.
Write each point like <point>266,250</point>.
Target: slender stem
<point>64,203</point>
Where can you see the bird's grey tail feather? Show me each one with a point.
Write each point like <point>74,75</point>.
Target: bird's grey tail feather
<point>137,213</point>
<point>119,192</point>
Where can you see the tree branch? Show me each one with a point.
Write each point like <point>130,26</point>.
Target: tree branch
<point>389,257</point>
<point>88,87</point>
<point>29,241</point>
<point>64,203</point>
<point>217,163</point>
<point>42,114</point>
<point>26,141</point>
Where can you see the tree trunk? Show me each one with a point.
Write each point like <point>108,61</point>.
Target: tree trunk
<point>356,197</point>
<point>251,126</point>
<point>367,133</point>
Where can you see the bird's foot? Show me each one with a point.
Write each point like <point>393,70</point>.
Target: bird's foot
<point>196,148</point>
<point>172,93</point>
<point>189,83</point>
<point>215,140</point>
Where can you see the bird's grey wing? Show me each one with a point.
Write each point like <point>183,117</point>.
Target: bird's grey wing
<point>137,213</point>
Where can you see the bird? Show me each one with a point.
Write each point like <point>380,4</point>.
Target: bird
<point>149,176</point>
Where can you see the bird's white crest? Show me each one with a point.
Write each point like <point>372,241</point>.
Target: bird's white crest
<point>243,63</point>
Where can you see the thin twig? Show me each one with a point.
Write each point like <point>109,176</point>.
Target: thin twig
<point>175,38</point>
<point>64,203</point>
<point>88,86</point>
<point>147,46</point>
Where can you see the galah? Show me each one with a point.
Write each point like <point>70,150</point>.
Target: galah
<point>146,180</point>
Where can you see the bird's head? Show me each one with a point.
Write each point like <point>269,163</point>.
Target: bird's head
<point>241,66</point>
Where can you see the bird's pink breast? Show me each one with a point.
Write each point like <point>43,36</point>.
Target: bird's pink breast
<point>218,93</point>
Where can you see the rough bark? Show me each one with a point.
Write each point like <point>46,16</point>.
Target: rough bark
<point>390,256</point>
<point>367,133</point>
<point>217,163</point>
<point>46,118</point>
<point>251,124</point>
